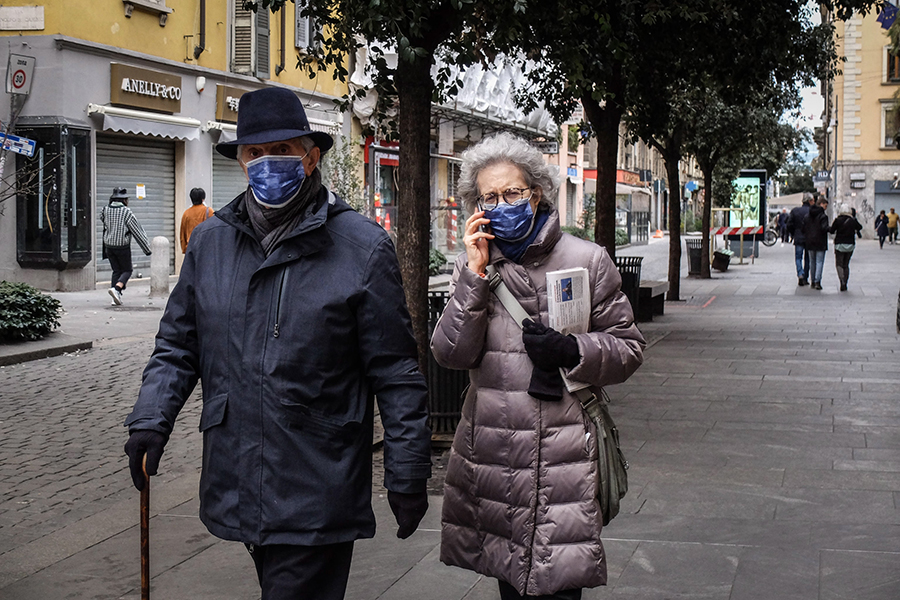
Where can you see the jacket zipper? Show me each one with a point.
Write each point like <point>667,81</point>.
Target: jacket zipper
<point>278,305</point>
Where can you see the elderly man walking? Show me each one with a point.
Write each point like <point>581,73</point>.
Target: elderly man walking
<point>289,309</point>
<point>795,222</point>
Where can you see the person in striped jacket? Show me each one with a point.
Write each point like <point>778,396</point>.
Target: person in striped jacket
<point>119,225</point>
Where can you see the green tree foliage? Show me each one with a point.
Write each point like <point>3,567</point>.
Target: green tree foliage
<point>341,167</point>
<point>796,177</point>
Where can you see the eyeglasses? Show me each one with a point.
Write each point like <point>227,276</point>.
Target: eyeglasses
<point>510,196</point>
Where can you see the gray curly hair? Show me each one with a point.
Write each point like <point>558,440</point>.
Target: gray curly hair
<point>505,147</point>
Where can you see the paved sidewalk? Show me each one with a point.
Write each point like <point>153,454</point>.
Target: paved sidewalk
<point>763,433</point>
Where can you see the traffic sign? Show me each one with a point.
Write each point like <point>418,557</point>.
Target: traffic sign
<point>19,145</point>
<point>19,73</point>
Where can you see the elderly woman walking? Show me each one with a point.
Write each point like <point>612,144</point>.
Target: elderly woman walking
<point>845,229</point>
<point>520,499</point>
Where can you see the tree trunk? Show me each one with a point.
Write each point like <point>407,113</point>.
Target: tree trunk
<point>414,90</point>
<point>671,156</point>
<point>605,123</point>
<point>707,218</point>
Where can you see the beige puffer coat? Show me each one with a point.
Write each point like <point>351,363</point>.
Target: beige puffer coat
<point>520,493</point>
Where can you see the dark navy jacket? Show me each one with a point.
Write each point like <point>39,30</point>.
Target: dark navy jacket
<point>291,350</point>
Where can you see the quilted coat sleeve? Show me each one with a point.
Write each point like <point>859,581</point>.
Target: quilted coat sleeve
<point>173,369</point>
<point>458,339</point>
<point>614,348</point>
<point>389,355</point>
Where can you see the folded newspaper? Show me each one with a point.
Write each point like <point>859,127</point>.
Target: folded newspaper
<point>569,307</point>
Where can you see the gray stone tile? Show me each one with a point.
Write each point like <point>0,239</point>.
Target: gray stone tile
<point>662,570</point>
<point>889,466</point>
<point>708,501</point>
<point>782,573</point>
<point>842,479</point>
<point>858,575</point>
<point>789,438</point>
<point>871,537</point>
<point>837,506</point>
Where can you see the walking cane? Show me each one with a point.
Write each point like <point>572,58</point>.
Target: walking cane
<point>145,535</point>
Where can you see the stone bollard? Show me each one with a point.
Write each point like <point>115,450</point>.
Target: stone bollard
<point>159,266</point>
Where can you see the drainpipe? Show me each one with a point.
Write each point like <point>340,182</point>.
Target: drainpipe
<point>198,50</point>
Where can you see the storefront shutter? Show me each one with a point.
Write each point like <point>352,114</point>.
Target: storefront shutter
<point>127,162</point>
<point>228,180</point>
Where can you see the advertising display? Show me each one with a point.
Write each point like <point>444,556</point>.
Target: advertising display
<point>749,195</point>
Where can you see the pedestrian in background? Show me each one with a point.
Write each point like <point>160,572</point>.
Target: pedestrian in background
<point>520,495</point>
<point>815,233</point>
<point>795,226</point>
<point>881,228</point>
<point>783,227</point>
<point>119,226</point>
<point>193,216</point>
<point>291,312</point>
<point>845,229</point>
<point>892,218</point>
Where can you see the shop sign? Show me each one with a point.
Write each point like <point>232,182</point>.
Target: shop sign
<point>141,88</point>
<point>547,147</point>
<point>628,177</point>
<point>21,18</point>
<point>227,100</point>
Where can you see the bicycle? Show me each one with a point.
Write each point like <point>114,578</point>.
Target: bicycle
<point>770,237</point>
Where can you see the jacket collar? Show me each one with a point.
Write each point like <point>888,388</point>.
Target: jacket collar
<point>309,237</point>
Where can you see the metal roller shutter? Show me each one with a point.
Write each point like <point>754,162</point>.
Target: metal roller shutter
<point>228,180</point>
<point>127,162</point>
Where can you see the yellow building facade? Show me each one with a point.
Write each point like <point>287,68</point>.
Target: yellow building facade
<point>861,122</point>
<point>133,94</point>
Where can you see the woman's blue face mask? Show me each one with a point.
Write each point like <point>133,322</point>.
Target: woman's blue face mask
<point>275,180</point>
<point>511,222</point>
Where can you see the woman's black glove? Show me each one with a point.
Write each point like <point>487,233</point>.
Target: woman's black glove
<point>408,509</point>
<point>140,442</point>
<point>546,384</point>
<point>547,348</point>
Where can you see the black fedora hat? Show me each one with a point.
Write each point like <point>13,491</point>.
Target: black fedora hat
<point>272,115</point>
<point>119,194</point>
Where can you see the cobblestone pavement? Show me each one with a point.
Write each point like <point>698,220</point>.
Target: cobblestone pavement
<point>62,438</point>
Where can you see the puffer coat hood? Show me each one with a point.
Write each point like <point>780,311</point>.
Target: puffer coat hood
<point>520,493</point>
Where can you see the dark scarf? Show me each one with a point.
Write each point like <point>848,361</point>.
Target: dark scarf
<point>514,251</point>
<point>272,225</point>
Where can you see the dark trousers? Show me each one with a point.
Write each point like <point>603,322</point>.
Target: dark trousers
<point>120,261</point>
<point>892,234</point>
<point>842,265</point>
<point>508,592</point>
<point>302,572</point>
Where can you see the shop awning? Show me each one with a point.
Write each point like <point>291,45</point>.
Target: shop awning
<point>147,123</point>
<point>227,131</point>
<point>624,188</point>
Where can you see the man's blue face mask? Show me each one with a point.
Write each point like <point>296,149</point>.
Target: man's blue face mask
<point>511,222</point>
<point>275,180</point>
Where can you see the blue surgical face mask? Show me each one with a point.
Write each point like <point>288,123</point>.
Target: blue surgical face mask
<point>511,222</point>
<point>275,180</point>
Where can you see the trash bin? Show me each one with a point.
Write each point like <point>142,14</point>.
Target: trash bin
<point>721,259</point>
<point>694,253</point>
<point>630,270</point>
<point>445,386</point>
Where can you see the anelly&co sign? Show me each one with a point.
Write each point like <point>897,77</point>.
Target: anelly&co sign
<point>143,88</point>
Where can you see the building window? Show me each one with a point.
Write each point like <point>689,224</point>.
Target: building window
<point>250,41</point>
<point>890,124</point>
<point>891,67</point>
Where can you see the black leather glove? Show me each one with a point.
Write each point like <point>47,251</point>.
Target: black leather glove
<point>408,509</point>
<point>547,348</point>
<point>140,442</point>
<point>546,384</point>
